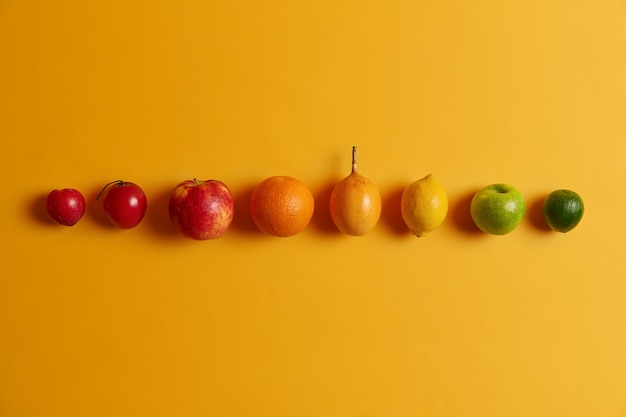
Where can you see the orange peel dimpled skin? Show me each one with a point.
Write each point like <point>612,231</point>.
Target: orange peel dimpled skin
<point>281,206</point>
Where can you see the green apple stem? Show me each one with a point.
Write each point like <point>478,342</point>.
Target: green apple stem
<point>119,182</point>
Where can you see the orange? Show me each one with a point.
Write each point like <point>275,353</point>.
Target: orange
<point>281,206</point>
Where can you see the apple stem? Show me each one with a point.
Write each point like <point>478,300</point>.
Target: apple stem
<point>353,158</point>
<point>196,181</point>
<point>107,186</point>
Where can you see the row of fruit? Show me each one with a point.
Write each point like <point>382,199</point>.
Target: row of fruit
<point>283,206</point>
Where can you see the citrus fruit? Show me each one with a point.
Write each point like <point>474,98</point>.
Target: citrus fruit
<point>424,205</point>
<point>355,203</point>
<point>562,210</point>
<point>281,206</point>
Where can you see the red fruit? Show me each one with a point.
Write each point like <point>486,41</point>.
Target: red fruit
<point>124,203</point>
<point>65,206</point>
<point>201,210</point>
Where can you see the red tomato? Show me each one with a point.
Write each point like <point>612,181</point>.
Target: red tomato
<point>124,203</point>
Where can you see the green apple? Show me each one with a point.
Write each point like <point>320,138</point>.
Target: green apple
<point>498,209</point>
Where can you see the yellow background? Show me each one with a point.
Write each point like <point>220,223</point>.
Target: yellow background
<point>96,321</point>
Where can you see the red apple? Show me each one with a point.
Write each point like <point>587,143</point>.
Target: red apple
<point>65,206</point>
<point>124,203</point>
<point>201,210</point>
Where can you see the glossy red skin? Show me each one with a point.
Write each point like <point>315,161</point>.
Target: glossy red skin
<point>202,210</point>
<point>125,204</point>
<point>65,206</point>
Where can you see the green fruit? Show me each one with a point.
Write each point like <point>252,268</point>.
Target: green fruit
<point>498,209</point>
<point>562,210</point>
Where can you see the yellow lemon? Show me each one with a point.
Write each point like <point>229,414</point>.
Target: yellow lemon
<point>424,205</point>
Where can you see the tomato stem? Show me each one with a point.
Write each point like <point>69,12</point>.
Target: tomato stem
<point>119,182</point>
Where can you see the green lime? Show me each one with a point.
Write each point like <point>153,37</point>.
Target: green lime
<point>562,210</point>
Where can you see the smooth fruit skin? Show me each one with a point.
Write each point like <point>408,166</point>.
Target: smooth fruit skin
<point>355,205</point>
<point>125,204</point>
<point>563,210</point>
<point>66,206</point>
<point>201,210</point>
<point>424,206</point>
<point>498,209</point>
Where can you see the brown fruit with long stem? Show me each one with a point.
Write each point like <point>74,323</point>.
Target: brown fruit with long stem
<point>355,203</point>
